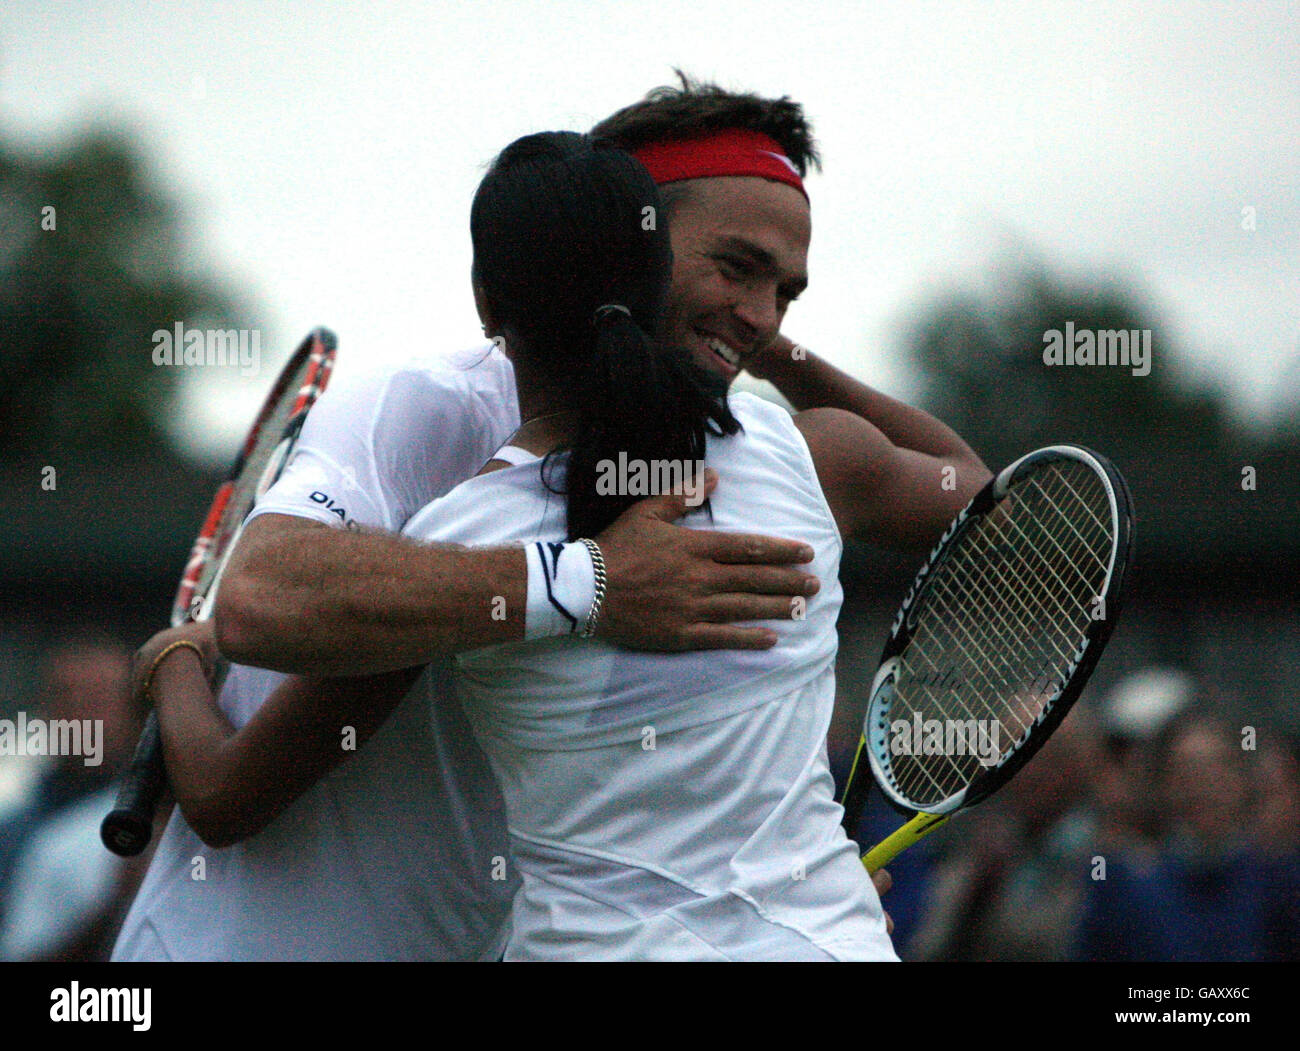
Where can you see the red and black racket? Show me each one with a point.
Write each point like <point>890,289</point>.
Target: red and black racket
<point>129,827</point>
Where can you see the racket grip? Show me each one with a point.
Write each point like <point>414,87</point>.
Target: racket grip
<point>889,848</point>
<point>127,829</point>
<point>855,792</point>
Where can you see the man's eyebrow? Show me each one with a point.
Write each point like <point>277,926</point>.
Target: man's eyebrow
<point>761,257</point>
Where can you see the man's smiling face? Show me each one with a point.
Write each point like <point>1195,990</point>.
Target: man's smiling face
<point>740,256</point>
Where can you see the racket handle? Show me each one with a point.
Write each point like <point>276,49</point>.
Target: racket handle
<point>855,792</point>
<point>127,829</point>
<point>889,848</point>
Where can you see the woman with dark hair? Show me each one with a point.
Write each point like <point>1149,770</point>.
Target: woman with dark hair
<point>661,806</point>
<point>571,271</point>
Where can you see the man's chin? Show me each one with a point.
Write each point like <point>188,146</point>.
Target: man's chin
<point>714,380</point>
<point>716,374</point>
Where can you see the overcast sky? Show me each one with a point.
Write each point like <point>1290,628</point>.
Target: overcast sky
<point>330,150</point>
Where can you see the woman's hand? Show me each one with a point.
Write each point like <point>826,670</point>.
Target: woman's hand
<point>142,667</point>
<point>883,881</point>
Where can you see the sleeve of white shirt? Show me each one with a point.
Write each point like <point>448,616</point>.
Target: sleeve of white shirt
<point>376,449</point>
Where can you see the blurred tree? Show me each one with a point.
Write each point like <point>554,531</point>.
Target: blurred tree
<point>90,266</point>
<point>983,371</point>
<point>981,365</point>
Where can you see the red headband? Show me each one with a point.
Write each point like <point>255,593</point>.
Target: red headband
<point>732,151</point>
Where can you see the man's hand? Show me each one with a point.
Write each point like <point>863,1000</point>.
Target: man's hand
<point>672,588</point>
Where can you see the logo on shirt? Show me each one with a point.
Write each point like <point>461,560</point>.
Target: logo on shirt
<point>328,503</point>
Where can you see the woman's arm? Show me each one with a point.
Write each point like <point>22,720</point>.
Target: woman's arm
<point>882,493</point>
<point>231,783</point>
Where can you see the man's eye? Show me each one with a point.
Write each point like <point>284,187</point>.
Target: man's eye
<point>732,268</point>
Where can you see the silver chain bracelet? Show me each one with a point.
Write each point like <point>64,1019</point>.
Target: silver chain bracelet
<point>598,565</point>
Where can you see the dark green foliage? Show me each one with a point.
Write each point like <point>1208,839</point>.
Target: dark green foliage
<point>79,303</point>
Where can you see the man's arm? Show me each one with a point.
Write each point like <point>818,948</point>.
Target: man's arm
<point>306,598</point>
<point>891,496</point>
<point>809,382</point>
<point>311,599</point>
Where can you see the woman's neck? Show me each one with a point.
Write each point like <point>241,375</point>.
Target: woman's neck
<point>546,408</point>
<point>548,431</point>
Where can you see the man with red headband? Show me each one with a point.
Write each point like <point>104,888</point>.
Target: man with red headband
<point>730,168</point>
<point>401,852</point>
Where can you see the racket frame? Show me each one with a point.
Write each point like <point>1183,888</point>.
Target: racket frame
<point>128,828</point>
<point>926,819</point>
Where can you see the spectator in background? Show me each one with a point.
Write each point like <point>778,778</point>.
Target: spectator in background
<point>1011,887</point>
<point>1275,774</point>
<point>1152,830</point>
<point>1212,894</point>
<point>61,892</point>
<point>1135,713</point>
<point>80,680</point>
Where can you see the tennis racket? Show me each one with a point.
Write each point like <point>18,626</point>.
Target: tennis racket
<point>995,640</point>
<point>129,826</point>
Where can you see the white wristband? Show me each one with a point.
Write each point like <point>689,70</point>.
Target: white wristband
<point>561,589</point>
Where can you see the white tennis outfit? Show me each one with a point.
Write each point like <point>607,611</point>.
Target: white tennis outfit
<point>398,854</point>
<point>672,806</point>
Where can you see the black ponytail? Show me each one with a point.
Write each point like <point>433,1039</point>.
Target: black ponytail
<point>563,227</point>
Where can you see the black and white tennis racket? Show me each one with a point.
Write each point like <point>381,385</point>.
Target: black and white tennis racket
<point>129,826</point>
<point>994,641</point>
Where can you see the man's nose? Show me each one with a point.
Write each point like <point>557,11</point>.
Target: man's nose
<point>758,309</point>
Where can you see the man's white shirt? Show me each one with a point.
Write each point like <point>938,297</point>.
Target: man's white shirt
<point>400,852</point>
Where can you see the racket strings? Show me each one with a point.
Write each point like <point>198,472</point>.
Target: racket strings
<point>1069,611</point>
<point>985,588</point>
<point>1029,714</point>
<point>1026,711</point>
<point>999,625</point>
<point>1063,552</point>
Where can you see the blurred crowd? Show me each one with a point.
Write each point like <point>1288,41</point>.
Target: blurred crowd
<point>1149,828</point>
<point>62,895</point>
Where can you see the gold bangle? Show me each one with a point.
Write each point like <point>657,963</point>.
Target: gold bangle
<point>153,668</point>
